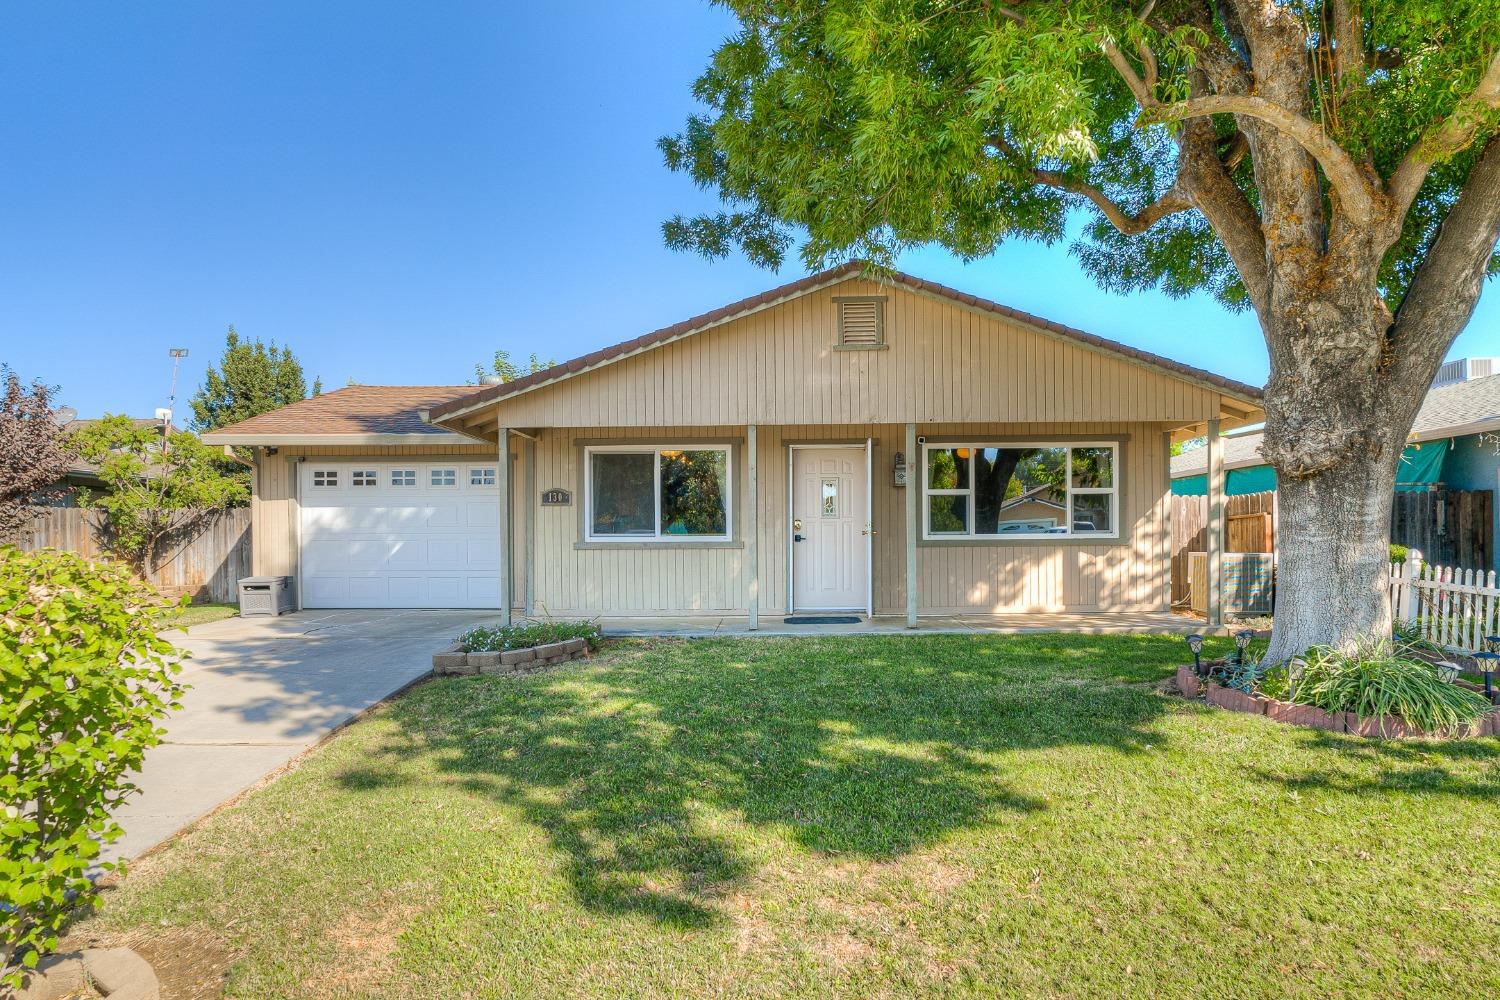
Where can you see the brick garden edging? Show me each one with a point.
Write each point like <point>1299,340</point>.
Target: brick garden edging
<point>1390,727</point>
<point>455,660</point>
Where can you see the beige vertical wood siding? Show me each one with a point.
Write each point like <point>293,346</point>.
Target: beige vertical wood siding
<point>1130,574</point>
<point>943,362</point>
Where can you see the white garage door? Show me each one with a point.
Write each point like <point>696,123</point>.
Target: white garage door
<point>399,534</point>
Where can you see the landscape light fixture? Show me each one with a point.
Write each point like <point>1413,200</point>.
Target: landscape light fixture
<point>1447,671</point>
<point>1487,667</point>
<point>1195,643</point>
<point>1492,643</point>
<point>1242,642</point>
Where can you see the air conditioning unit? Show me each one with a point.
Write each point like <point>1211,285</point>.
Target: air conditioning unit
<point>1465,369</point>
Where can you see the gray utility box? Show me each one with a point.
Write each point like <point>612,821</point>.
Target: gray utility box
<point>265,595</point>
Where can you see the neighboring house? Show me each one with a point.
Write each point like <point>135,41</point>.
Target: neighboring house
<point>1455,443</point>
<point>837,443</point>
<point>84,474</point>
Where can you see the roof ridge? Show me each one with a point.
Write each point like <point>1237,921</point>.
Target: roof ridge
<point>693,324</point>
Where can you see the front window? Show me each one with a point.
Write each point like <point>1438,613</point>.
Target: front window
<point>403,477</point>
<point>482,477</point>
<point>666,494</point>
<point>1008,491</point>
<point>442,477</point>
<point>363,477</point>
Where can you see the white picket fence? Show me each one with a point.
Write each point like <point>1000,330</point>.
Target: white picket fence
<point>1455,608</point>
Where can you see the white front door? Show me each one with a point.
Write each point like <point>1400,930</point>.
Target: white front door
<point>830,549</point>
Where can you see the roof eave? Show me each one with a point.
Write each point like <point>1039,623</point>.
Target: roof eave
<point>442,437</point>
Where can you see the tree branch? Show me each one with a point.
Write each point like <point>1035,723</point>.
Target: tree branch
<point>1446,288</point>
<point>1355,193</point>
<point>1450,136</point>
<point>1173,201</point>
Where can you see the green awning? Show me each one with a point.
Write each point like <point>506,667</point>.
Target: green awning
<point>1421,466</point>
<point>1252,479</point>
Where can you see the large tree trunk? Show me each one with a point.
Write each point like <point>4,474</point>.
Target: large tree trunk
<point>1332,575</point>
<point>1339,406</point>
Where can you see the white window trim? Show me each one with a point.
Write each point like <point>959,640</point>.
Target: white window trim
<point>369,478</point>
<point>326,484</point>
<point>655,450</point>
<point>493,474</point>
<point>396,482</point>
<point>950,536</point>
<point>431,469</point>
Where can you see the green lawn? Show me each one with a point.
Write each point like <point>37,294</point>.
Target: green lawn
<point>202,614</point>
<point>856,817</point>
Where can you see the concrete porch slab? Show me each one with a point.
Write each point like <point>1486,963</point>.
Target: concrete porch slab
<point>1006,624</point>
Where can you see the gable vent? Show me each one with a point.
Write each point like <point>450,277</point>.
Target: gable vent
<point>861,322</point>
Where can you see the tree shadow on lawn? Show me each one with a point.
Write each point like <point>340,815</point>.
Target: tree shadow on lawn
<point>851,747</point>
<point>1403,767</point>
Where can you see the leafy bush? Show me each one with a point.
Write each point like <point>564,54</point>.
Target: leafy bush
<point>1275,683</point>
<point>1398,553</point>
<point>1385,679</point>
<point>496,638</point>
<point>84,678</point>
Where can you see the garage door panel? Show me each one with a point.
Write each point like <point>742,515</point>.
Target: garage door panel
<point>399,543</point>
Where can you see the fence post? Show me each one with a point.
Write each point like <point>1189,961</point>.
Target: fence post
<point>1410,574</point>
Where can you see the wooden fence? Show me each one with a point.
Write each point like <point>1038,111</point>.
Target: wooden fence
<point>208,566</point>
<point>1451,527</point>
<point>1249,527</point>
<point>1451,606</point>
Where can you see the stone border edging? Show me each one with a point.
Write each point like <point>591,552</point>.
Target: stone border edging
<point>456,661</point>
<point>1389,727</point>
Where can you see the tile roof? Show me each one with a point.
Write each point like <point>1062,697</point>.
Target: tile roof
<point>812,281</point>
<point>1450,411</point>
<point>355,409</point>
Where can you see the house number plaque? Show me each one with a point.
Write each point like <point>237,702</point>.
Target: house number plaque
<point>556,498</point>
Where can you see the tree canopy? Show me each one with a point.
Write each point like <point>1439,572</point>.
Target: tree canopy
<point>252,378</point>
<point>506,370</point>
<point>862,128</point>
<point>35,451</point>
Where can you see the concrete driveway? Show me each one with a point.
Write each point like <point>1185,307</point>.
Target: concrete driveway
<point>263,691</point>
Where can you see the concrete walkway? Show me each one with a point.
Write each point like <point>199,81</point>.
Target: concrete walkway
<point>1008,624</point>
<point>263,691</point>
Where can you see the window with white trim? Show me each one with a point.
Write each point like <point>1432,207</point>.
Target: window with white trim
<point>403,477</point>
<point>655,493</point>
<point>364,477</point>
<point>482,476</point>
<point>325,477</point>
<point>442,477</point>
<point>978,490</point>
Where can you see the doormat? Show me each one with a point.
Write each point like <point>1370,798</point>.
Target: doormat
<point>823,620</point>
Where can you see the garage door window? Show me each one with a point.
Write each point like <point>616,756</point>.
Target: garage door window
<point>444,477</point>
<point>403,477</point>
<point>325,478</point>
<point>481,477</point>
<point>363,477</point>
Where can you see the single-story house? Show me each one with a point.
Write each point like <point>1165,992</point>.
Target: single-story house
<point>844,442</point>
<point>1455,444</point>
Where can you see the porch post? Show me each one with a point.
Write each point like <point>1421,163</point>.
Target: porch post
<point>752,525</point>
<point>914,474</point>
<point>502,486</point>
<point>1215,526</point>
<point>529,597</point>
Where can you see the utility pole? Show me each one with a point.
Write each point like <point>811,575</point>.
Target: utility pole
<point>178,353</point>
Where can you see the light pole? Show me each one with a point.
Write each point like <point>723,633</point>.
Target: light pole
<point>177,353</point>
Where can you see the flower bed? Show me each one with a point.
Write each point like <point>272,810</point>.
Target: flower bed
<point>516,649</point>
<point>1193,687</point>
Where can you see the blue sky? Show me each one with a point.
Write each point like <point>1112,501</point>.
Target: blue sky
<point>396,190</point>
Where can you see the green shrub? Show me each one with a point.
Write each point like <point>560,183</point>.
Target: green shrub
<point>1275,683</point>
<point>84,678</point>
<point>497,638</point>
<point>1398,553</point>
<point>1385,679</point>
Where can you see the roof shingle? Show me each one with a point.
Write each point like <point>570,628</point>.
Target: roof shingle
<point>355,409</point>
